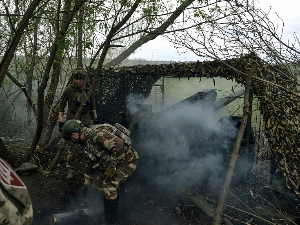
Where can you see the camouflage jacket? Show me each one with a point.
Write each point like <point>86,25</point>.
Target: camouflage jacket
<point>15,203</point>
<point>73,96</point>
<point>104,147</point>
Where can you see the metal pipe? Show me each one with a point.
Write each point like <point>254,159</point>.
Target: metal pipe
<point>225,100</point>
<point>78,216</point>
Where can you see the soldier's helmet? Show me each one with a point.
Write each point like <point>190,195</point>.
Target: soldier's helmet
<point>71,126</point>
<point>79,73</point>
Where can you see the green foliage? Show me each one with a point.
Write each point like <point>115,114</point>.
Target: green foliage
<point>179,89</point>
<point>6,81</point>
<point>88,45</point>
<point>207,13</point>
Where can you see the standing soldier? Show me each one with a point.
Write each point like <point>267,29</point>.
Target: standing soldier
<point>73,95</point>
<point>15,203</point>
<point>110,159</point>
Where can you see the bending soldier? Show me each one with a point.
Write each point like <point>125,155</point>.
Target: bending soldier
<point>73,96</point>
<point>110,159</point>
<point>15,202</point>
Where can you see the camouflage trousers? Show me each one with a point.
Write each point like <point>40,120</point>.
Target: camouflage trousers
<point>123,171</point>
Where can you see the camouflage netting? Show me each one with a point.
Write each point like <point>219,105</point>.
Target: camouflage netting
<point>115,85</point>
<point>276,91</point>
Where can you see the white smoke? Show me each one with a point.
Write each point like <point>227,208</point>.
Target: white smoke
<point>174,144</point>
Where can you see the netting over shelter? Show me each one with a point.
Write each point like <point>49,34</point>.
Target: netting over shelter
<point>113,88</point>
<point>275,87</point>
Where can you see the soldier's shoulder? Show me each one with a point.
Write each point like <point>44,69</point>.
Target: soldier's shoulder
<point>103,126</point>
<point>98,128</point>
<point>16,205</point>
<point>70,88</point>
<point>12,183</point>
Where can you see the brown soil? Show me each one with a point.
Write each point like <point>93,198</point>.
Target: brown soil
<point>52,194</point>
<point>141,201</point>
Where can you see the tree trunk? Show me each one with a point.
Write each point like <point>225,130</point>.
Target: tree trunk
<point>16,82</point>
<point>30,71</point>
<point>234,156</point>
<point>56,63</point>
<point>80,43</point>
<point>55,51</point>
<point>150,36</point>
<point>106,45</point>
<point>9,53</point>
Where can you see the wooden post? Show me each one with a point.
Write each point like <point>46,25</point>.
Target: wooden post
<point>234,156</point>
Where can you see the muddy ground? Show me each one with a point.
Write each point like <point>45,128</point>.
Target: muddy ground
<point>52,194</point>
<point>142,201</point>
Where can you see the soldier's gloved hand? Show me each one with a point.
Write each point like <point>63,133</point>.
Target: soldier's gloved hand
<point>110,172</point>
<point>60,126</point>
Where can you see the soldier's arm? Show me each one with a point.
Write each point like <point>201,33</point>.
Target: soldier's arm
<point>95,114</point>
<point>88,170</point>
<point>62,104</point>
<point>93,106</point>
<point>108,141</point>
<point>61,117</point>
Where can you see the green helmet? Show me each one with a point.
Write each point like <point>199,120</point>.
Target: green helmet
<point>79,73</point>
<point>71,126</point>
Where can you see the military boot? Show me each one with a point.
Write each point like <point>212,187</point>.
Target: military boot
<point>111,211</point>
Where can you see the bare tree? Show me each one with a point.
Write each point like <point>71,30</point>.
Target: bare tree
<point>18,32</point>
<point>248,30</point>
<point>54,55</point>
<point>117,36</point>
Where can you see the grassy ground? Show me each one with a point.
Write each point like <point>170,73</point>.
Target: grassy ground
<point>176,90</point>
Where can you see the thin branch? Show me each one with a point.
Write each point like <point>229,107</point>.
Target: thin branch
<point>23,88</point>
<point>234,156</point>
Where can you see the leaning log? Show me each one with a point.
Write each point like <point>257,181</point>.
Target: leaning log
<point>203,205</point>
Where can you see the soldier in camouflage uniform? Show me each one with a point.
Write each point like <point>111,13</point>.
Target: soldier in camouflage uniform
<point>110,159</point>
<point>15,203</point>
<point>73,96</point>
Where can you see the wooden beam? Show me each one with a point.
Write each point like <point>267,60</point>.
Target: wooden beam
<point>203,205</point>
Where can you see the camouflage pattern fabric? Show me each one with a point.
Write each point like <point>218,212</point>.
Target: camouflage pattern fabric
<point>15,203</point>
<point>104,148</point>
<point>72,155</point>
<point>73,96</point>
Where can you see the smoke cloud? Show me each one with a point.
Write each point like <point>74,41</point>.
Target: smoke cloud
<point>179,146</point>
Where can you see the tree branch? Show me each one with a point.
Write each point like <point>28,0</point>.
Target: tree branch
<point>234,156</point>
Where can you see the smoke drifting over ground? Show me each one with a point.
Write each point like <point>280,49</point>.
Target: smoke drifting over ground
<point>179,146</point>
